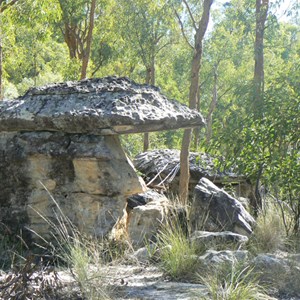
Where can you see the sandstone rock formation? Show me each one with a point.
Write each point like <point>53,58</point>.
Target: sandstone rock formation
<point>64,136</point>
<point>214,208</point>
<point>145,220</point>
<point>104,106</point>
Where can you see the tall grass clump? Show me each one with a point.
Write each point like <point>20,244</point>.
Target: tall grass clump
<point>176,253</point>
<point>81,254</point>
<point>232,282</point>
<point>269,234</point>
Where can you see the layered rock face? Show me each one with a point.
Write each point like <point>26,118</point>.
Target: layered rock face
<point>83,173</point>
<point>59,144</point>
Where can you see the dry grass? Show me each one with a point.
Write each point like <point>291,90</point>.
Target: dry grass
<point>233,282</point>
<point>269,234</point>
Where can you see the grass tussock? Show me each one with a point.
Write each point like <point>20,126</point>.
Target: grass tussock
<point>177,254</point>
<point>269,234</point>
<point>233,282</point>
<point>82,255</point>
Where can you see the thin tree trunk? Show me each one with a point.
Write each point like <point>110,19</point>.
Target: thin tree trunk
<point>212,108</point>
<point>150,79</point>
<point>193,100</point>
<point>262,7</point>
<point>261,16</point>
<point>71,40</point>
<point>1,87</point>
<point>87,51</point>
<point>196,131</point>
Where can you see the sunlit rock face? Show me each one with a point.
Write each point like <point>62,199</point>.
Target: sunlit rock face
<point>88,176</point>
<point>60,151</point>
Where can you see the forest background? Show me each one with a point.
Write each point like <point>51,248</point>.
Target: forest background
<point>254,128</point>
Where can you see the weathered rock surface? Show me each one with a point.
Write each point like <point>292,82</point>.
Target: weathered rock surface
<point>161,168</point>
<point>145,220</point>
<point>216,240</point>
<point>83,173</point>
<point>213,207</point>
<point>104,106</point>
<point>280,272</point>
<point>214,258</point>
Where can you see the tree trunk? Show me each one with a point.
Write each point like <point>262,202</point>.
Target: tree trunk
<point>87,50</point>
<point>150,79</point>
<point>262,7</point>
<point>71,40</point>
<point>212,107</point>
<point>258,81</point>
<point>193,100</point>
<point>1,87</point>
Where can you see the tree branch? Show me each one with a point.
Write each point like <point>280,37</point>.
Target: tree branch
<point>182,30</point>
<point>6,6</point>
<point>191,15</point>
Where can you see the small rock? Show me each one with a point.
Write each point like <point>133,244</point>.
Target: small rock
<point>225,240</point>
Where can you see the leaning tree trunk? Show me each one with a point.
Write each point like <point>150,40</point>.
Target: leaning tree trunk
<point>193,100</point>
<point>258,80</point>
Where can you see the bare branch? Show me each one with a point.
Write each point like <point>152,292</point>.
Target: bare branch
<point>191,15</point>
<point>182,29</point>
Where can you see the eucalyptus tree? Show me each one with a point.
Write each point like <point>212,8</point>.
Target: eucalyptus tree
<point>33,52</point>
<point>261,138</point>
<point>78,19</point>
<point>199,28</point>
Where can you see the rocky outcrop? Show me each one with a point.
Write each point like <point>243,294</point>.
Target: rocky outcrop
<point>59,143</point>
<point>104,106</point>
<point>279,272</point>
<point>161,169</point>
<point>215,210</point>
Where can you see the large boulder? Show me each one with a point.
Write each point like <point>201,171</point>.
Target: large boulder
<point>59,144</point>
<point>161,169</point>
<point>281,272</point>
<point>215,210</point>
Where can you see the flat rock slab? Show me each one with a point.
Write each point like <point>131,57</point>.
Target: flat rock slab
<point>104,106</point>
